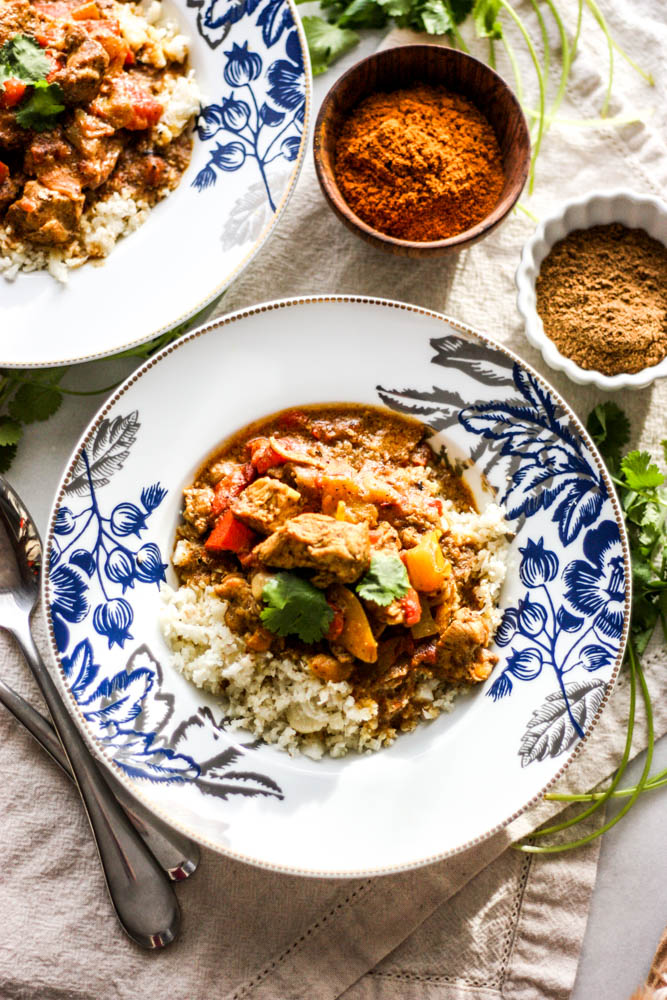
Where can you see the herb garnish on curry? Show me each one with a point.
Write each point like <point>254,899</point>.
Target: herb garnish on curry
<point>330,533</point>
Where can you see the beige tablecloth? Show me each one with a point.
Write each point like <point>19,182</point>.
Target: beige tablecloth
<point>489,923</point>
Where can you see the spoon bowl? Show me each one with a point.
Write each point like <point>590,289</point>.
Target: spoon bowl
<point>19,576</point>
<point>144,900</point>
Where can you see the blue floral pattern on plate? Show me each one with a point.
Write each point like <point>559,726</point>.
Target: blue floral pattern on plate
<point>94,562</point>
<point>253,121</point>
<point>569,621</point>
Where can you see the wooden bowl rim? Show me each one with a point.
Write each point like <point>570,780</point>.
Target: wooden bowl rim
<point>504,206</point>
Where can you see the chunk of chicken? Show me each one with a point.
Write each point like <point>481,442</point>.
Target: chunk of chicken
<point>266,504</point>
<point>125,101</point>
<point>46,217</point>
<point>81,76</point>
<point>336,549</point>
<point>197,508</point>
<point>461,650</point>
<point>98,146</point>
<point>243,611</point>
<point>328,668</point>
<point>53,161</point>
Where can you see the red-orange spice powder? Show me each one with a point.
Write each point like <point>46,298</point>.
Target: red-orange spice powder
<point>419,164</point>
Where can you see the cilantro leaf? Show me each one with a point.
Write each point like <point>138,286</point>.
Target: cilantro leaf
<point>436,17</point>
<point>643,494</point>
<point>386,580</point>
<point>295,607</point>
<point>7,455</point>
<point>398,9</point>
<point>609,427</point>
<point>35,401</point>
<point>363,14</point>
<point>41,109</point>
<point>326,42</point>
<point>21,57</point>
<point>10,432</point>
<point>639,473</point>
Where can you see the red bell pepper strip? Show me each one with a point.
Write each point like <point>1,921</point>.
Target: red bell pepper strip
<point>229,488</point>
<point>263,456</point>
<point>4,172</point>
<point>411,607</point>
<point>230,535</point>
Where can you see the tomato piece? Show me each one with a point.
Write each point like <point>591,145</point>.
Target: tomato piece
<point>146,110</point>
<point>13,92</point>
<point>230,535</point>
<point>263,456</point>
<point>4,172</point>
<point>411,607</point>
<point>229,488</point>
<point>337,622</point>
<point>129,105</point>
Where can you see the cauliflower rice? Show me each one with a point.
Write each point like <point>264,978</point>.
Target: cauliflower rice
<point>280,700</point>
<point>157,40</point>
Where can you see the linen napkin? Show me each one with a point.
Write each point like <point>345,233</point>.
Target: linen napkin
<point>488,923</point>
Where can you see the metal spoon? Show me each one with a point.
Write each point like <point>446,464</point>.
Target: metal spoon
<point>141,894</point>
<point>176,853</point>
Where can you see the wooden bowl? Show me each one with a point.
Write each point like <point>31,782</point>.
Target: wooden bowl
<point>405,66</point>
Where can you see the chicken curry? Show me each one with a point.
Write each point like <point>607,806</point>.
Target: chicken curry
<point>324,530</point>
<point>78,112</point>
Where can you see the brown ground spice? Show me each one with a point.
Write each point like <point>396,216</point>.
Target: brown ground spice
<point>419,164</point>
<point>602,296</point>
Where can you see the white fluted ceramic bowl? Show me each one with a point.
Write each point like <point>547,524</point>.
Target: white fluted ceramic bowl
<point>596,209</point>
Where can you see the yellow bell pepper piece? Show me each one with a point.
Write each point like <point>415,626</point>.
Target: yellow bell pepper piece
<point>426,565</point>
<point>356,637</point>
<point>86,12</point>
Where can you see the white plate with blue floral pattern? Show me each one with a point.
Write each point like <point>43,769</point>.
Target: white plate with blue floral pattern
<point>451,782</point>
<point>251,62</point>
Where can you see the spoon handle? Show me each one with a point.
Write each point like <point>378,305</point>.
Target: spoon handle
<point>142,896</point>
<point>176,854</point>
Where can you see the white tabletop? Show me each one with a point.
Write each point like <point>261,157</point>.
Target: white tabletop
<point>629,907</point>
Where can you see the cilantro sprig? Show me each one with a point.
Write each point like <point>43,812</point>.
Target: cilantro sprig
<point>386,580</point>
<point>21,58</point>
<point>295,607</point>
<point>327,42</point>
<point>331,36</point>
<point>642,491</point>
